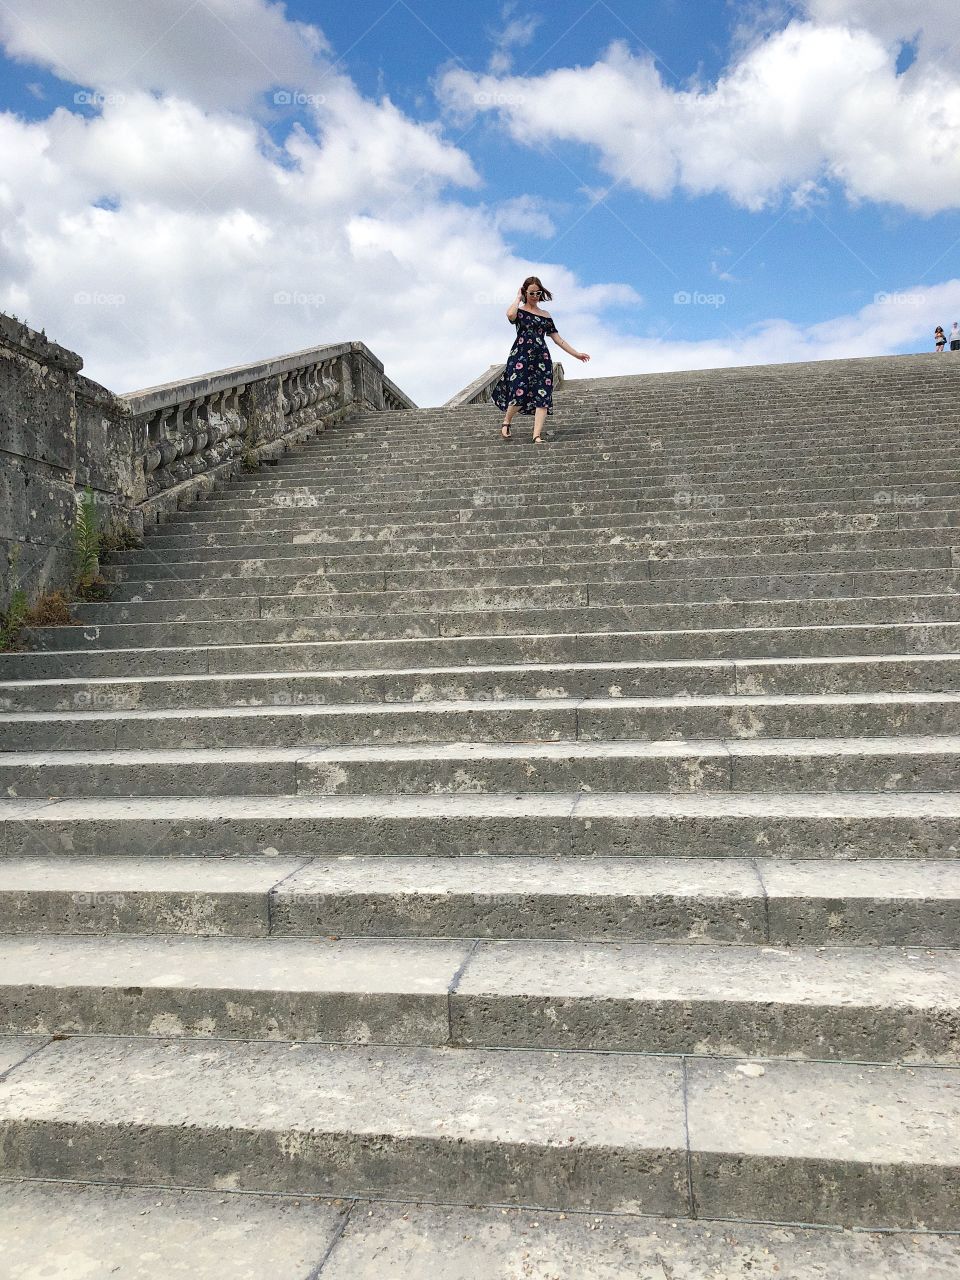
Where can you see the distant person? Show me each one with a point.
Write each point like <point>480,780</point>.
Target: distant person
<point>955,337</point>
<point>527,381</point>
<point>939,338</point>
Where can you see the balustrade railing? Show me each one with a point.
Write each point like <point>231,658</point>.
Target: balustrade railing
<point>191,431</point>
<point>146,454</point>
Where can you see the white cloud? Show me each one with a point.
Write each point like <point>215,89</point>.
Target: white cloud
<point>167,233</point>
<point>514,33</point>
<point>217,53</point>
<point>808,104</point>
<point>935,26</point>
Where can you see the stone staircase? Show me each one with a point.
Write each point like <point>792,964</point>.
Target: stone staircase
<point>430,818</point>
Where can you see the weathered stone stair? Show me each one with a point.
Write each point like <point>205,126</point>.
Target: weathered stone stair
<point>429,817</point>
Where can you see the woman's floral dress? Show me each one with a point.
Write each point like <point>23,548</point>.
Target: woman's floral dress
<point>528,378</point>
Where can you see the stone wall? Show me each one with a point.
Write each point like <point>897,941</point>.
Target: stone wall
<point>150,452</point>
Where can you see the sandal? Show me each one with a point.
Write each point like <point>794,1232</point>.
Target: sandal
<point>505,431</point>
<point>537,439</point>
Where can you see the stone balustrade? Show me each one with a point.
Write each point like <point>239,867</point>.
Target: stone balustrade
<point>149,452</point>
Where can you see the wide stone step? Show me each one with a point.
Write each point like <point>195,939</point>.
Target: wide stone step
<point>285,486</point>
<point>478,527</point>
<point>893,764</point>
<point>713,643</point>
<point>606,1132</point>
<point>715,561</point>
<point>643,498</point>
<point>213,1234</point>
<point>646,456</point>
<point>693,514</point>
<point>782,439</point>
<point>395,448</point>
<point>194,576</point>
<point>847,600</point>
<point>270,547</point>
<point>788,825</point>
<point>868,1004</point>
<point>677,526</point>
<point>655,583</point>
<point>904,673</point>
<point>652,719</point>
<point>772,901</point>
<point>614,424</point>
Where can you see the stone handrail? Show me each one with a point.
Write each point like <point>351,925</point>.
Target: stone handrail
<point>191,431</point>
<point>148,453</point>
<point>478,392</point>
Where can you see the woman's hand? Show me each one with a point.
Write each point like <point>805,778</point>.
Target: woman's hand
<point>581,355</point>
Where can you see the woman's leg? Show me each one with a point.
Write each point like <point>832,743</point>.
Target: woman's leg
<point>512,408</point>
<point>539,418</point>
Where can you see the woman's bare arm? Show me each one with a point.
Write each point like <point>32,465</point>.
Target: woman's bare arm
<point>561,342</point>
<point>514,307</point>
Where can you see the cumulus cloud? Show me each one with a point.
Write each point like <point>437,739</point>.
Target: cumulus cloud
<point>812,102</point>
<point>166,232</point>
<point>934,27</point>
<point>217,53</point>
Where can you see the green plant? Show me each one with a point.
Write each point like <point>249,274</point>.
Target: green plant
<point>86,543</point>
<point>13,618</point>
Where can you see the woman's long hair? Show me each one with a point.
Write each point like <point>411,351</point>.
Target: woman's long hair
<point>545,294</point>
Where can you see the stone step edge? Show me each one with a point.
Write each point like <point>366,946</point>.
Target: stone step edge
<point>949,552</point>
<point>846,747</point>
<point>558,1117</point>
<point>436,617</point>
<point>817,1002</point>
<point>720,592</point>
<point>751,665</point>
<point>290,1238</point>
<point>615,523</point>
<point>779,902</point>
<point>570,806</point>
<point>441,706</point>
<point>56,657</point>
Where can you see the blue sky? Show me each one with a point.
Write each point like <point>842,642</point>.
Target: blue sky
<point>698,185</point>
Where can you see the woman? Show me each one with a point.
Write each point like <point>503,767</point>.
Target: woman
<point>527,381</point>
<point>939,338</point>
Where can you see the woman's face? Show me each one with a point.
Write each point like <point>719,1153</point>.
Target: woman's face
<point>534,294</point>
